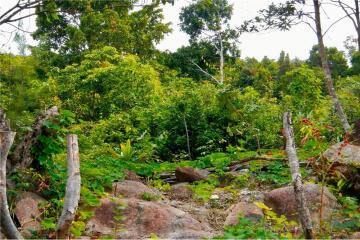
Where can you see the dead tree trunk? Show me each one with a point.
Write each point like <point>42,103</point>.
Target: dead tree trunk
<point>72,195</point>
<point>296,178</point>
<point>22,157</point>
<point>6,140</point>
<point>326,68</point>
<point>187,136</point>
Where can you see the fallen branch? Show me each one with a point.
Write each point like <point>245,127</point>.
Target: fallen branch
<point>304,213</point>
<point>22,157</point>
<point>72,195</point>
<point>6,140</point>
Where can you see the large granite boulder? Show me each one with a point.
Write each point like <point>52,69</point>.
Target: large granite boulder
<point>347,154</point>
<point>137,219</point>
<point>345,159</point>
<point>282,201</point>
<point>133,189</point>
<point>189,174</point>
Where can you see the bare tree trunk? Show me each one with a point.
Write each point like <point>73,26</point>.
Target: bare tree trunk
<point>326,68</point>
<point>22,157</point>
<point>6,140</point>
<point>296,178</point>
<point>72,195</point>
<point>187,137</point>
<point>221,53</point>
<point>357,19</point>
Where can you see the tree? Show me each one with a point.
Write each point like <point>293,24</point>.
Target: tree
<point>208,20</point>
<point>284,63</point>
<point>79,27</point>
<point>336,59</point>
<point>353,13</point>
<point>101,83</point>
<point>187,60</point>
<point>285,15</point>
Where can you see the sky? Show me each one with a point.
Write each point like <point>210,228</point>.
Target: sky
<point>297,42</point>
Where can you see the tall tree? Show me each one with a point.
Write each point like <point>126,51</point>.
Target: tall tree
<point>81,26</point>
<point>208,20</point>
<point>353,13</point>
<point>285,15</point>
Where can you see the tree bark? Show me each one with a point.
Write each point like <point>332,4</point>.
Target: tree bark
<point>303,210</point>
<point>326,68</point>
<point>221,53</point>
<point>187,137</point>
<point>6,140</point>
<point>22,157</point>
<point>357,18</point>
<point>72,195</point>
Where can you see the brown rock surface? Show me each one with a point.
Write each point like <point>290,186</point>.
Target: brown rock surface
<point>248,210</point>
<point>347,154</point>
<point>180,191</point>
<point>27,211</point>
<point>141,219</point>
<point>132,189</point>
<point>189,174</point>
<point>282,201</point>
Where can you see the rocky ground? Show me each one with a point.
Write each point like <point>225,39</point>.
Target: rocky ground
<point>134,209</point>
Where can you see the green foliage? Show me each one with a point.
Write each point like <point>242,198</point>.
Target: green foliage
<point>160,185</point>
<point>203,189</point>
<point>100,85</point>
<point>149,196</point>
<point>74,28</point>
<point>337,61</point>
<point>276,172</point>
<point>271,226</point>
<point>347,218</point>
<point>302,89</point>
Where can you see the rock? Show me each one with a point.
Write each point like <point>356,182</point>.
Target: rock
<point>189,174</point>
<point>345,159</point>
<point>180,191</point>
<point>133,189</point>
<point>248,210</point>
<point>282,201</point>
<point>130,175</point>
<point>344,153</point>
<point>222,198</point>
<point>189,234</point>
<point>140,219</point>
<point>27,212</point>
<point>355,235</point>
<point>247,195</point>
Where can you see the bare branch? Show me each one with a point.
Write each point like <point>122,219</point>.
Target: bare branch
<point>205,72</point>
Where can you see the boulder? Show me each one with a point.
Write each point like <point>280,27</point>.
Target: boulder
<point>345,159</point>
<point>180,191</point>
<point>347,154</point>
<point>248,210</point>
<point>140,219</point>
<point>282,201</point>
<point>27,212</point>
<point>130,175</point>
<point>133,189</point>
<point>189,174</point>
